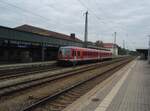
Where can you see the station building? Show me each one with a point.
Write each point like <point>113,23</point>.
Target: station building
<point>28,43</point>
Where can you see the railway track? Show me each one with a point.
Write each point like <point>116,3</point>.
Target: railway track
<point>58,101</point>
<point>13,73</point>
<point>15,88</point>
<point>24,72</point>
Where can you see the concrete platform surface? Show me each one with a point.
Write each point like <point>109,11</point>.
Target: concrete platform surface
<point>21,65</point>
<point>127,90</point>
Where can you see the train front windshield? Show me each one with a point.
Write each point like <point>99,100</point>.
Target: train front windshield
<point>65,51</point>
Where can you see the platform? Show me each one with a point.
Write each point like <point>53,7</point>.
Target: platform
<point>126,90</point>
<point>22,65</point>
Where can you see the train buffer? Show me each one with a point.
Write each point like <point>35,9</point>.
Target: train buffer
<point>126,90</point>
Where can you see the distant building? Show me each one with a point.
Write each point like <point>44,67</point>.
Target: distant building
<point>112,47</point>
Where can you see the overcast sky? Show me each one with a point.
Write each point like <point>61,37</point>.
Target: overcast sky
<point>129,18</point>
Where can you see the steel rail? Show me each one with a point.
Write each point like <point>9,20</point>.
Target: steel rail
<point>28,84</point>
<point>10,76</point>
<point>53,96</point>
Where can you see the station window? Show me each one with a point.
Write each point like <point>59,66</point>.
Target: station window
<point>1,54</point>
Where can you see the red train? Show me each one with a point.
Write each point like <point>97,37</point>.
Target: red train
<point>74,55</point>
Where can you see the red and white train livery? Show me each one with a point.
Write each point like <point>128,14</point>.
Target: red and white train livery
<point>77,54</point>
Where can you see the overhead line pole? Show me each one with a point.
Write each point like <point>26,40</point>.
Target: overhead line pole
<point>86,30</point>
<point>149,51</point>
<point>123,44</point>
<point>114,46</point>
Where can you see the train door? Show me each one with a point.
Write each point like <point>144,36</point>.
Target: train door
<point>74,54</point>
<point>78,54</point>
<point>82,54</point>
<point>100,55</point>
<point>75,57</point>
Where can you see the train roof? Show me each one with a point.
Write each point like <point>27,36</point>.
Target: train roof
<point>82,48</point>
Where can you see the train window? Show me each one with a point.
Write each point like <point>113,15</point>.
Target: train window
<point>83,53</point>
<point>86,53</point>
<point>65,51</point>
<point>78,53</point>
<point>73,53</point>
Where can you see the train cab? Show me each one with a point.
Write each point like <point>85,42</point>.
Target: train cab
<point>70,54</point>
<point>64,53</point>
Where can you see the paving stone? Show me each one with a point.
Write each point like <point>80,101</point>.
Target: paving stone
<point>134,95</point>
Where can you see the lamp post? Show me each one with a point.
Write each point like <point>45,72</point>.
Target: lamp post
<point>86,30</point>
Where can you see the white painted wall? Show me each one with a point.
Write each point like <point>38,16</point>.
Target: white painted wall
<point>114,51</point>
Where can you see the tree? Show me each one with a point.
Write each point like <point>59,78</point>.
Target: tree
<point>99,43</point>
